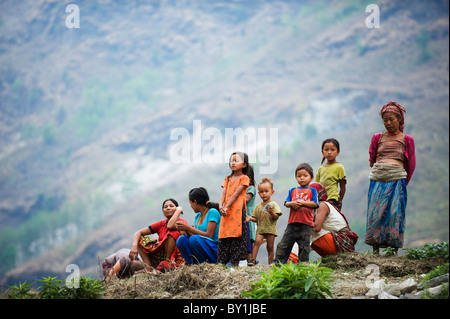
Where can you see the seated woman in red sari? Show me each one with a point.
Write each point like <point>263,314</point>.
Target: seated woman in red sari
<point>331,232</point>
<point>162,253</point>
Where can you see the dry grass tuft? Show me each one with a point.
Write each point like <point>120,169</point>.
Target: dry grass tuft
<point>204,281</point>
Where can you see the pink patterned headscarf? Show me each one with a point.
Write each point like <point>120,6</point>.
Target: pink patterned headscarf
<point>321,192</point>
<point>394,107</point>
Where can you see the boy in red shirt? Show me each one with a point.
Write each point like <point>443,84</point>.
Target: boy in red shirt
<point>302,202</point>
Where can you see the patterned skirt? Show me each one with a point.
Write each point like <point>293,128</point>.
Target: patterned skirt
<point>386,213</point>
<point>157,254</point>
<point>232,249</point>
<point>345,240</point>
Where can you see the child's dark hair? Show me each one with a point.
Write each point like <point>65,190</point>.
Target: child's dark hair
<point>248,170</point>
<point>266,180</point>
<point>251,174</point>
<point>329,140</point>
<point>306,167</point>
<point>200,195</point>
<point>170,199</point>
<point>129,271</point>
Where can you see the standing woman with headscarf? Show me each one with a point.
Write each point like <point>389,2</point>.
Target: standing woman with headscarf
<point>331,233</point>
<point>393,160</point>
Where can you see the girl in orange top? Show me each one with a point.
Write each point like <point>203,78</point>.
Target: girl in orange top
<point>232,245</point>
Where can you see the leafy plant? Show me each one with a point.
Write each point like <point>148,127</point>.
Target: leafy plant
<point>428,250</point>
<point>51,288</point>
<point>88,289</point>
<point>390,251</point>
<point>443,295</point>
<point>436,272</point>
<point>292,281</point>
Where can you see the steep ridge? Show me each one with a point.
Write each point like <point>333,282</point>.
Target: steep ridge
<point>86,114</point>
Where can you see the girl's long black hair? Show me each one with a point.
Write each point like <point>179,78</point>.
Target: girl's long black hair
<point>248,170</point>
<point>200,195</point>
<point>329,140</point>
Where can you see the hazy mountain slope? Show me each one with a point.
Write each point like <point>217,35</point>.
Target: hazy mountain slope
<point>86,114</point>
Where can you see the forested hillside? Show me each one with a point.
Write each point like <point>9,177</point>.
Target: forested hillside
<point>87,114</point>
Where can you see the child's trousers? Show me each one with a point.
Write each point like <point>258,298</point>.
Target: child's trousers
<point>196,249</point>
<point>294,233</point>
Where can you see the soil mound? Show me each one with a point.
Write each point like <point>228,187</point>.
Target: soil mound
<point>212,281</point>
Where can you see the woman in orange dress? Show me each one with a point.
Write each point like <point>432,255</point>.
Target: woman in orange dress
<point>232,245</point>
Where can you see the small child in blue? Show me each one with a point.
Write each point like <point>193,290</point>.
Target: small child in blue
<point>302,202</point>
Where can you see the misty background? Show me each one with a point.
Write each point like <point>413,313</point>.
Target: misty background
<point>86,113</point>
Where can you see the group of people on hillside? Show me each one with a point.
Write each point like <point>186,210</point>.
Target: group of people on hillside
<point>234,228</point>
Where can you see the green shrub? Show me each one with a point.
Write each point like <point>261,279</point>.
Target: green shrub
<point>390,251</point>
<point>443,295</point>
<point>292,281</point>
<point>53,288</point>
<point>21,291</point>
<point>436,272</point>
<point>428,250</point>
<point>89,289</point>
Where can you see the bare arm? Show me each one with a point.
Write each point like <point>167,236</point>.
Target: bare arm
<point>308,203</point>
<point>342,184</point>
<point>171,224</point>
<point>322,213</point>
<point>250,218</point>
<point>294,204</point>
<point>136,237</point>
<point>222,200</point>
<point>272,213</point>
<point>299,203</point>
<point>235,196</point>
<point>210,229</point>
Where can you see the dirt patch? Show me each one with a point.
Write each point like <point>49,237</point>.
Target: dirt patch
<point>354,273</point>
<point>391,266</point>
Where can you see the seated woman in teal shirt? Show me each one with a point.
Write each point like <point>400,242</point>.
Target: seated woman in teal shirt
<point>200,243</point>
